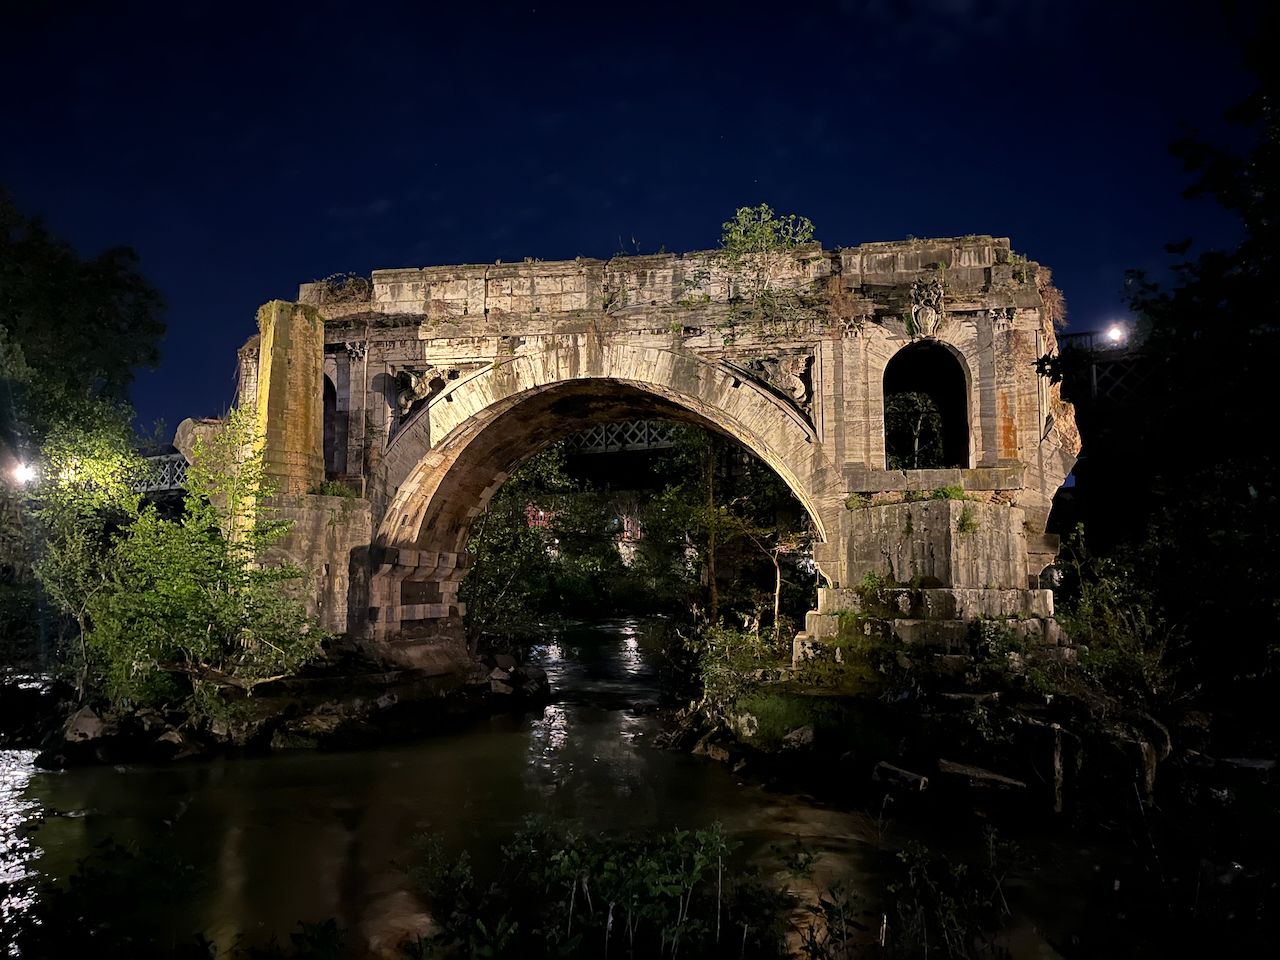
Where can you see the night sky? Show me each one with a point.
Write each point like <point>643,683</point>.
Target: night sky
<point>243,150</point>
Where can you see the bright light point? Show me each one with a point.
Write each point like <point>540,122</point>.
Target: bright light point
<point>1115,333</point>
<point>24,473</point>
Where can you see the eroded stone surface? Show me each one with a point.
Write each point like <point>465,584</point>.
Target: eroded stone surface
<point>436,383</point>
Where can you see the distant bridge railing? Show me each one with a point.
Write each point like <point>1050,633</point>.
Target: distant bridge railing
<point>165,473</point>
<point>1114,367</point>
<point>625,435</point>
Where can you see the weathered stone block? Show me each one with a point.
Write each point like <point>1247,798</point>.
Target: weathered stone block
<point>838,599</point>
<point>940,543</point>
<point>543,348</point>
<point>290,395</point>
<point>328,539</point>
<point>949,635</point>
<point>821,626</point>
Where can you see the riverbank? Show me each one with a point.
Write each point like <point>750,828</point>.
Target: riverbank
<point>306,835</point>
<point>832,784</point>
<point>1176,831</point>
<point>342,701</point>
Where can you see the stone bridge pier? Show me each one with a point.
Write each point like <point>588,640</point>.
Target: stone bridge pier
<point>420,390</point>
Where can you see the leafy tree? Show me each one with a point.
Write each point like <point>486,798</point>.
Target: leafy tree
<point>78,327</point>
<point>756,247</point>
<point>731,512</point>
<point>1183,483</point>
<point>510,554</point>
<point>88,470</point>
<point>72,331</point>
<point>913,431</point>
<point>760,233</point>
<point>166,607</point>
<point>545,545</point>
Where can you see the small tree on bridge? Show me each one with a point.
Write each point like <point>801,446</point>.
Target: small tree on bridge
<point>756,247</point>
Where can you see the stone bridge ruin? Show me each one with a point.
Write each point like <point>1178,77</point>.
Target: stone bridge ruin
<point>423,389</point>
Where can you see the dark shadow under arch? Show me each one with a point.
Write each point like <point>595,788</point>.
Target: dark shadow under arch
<point>926,409</point>
<point>482,462</point>
<point>335,440</point>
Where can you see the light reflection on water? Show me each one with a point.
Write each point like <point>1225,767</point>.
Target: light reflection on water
<point>17,819</point>
<point>308,836</point>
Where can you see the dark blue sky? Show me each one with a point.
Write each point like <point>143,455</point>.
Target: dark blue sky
<point>242,150</point>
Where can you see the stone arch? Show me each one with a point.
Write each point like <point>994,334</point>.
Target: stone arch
<point>443,466</point>
<point>938,370</point>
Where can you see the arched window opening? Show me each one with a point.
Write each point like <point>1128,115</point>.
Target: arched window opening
<point>926,409</point>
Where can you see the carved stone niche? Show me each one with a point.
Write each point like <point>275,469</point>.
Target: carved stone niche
<point>788,374</point>
<point>415,387</point>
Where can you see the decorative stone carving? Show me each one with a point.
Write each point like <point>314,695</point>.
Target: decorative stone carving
<point>851,326</point>
<point>928,308</point>
<point>416,386</point>
<point>1001,317</point>
<point>786,374</point>
<point>356,349</point>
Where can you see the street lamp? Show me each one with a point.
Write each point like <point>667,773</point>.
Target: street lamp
<point>1117,334</point>
<point>24,473</point>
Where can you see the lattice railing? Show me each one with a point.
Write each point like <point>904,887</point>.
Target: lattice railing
<point>1120,380</point>
<point>625,435</point>
<point>164,473</point>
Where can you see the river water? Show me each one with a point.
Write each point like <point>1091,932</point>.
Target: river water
<point>307,836</point>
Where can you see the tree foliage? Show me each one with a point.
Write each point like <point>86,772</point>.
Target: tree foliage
<point>510,556</point>
<point>757,247</point>
<point>913,432</point>
<point>72,332</point>
<point>759,232</point>
<point>85,494</point>
<point>722,532</point>
<point>728,518</point>
<point>1184,483</point>
<point>77,328</point>
<point>546,546</point>
<point>165,607</point>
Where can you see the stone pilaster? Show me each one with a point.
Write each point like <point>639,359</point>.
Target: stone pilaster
<point>290,395</point>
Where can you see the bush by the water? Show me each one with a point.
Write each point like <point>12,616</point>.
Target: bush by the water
<point>563,894</point>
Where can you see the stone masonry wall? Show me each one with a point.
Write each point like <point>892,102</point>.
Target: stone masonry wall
<point>437,371</point>
<point>329,541</point>
<point>289,391</point>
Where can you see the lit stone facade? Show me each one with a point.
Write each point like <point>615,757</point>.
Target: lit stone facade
<point>435,383</point>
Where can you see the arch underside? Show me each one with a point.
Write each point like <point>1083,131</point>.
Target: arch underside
<point>445,465</point>
<point>478,463</point>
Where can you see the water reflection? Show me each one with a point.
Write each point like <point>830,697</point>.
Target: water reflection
<point>18,817</point>
<point>610,664</point>
<point>309,836</point>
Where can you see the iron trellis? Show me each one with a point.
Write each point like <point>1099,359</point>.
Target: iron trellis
<point>624,435</point>
<point>164,474</point>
